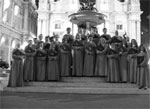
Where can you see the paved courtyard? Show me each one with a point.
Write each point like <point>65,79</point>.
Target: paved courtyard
<point>72,101</point>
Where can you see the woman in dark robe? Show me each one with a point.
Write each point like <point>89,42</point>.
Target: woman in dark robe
<point>53,64</point>
<point>78,57</point>
<point>16,74</point>
<point>89,61</point>
<point>132,61</point>
<point>101,58</point>
<point>123,52</point>
<point>29,62</point>
<point>40,63</point>
<point>65,59</point>
<point>113,64</point>
<point>142,69</point>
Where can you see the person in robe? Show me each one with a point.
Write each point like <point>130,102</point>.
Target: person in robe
<point>105,35</point>
<point>89,61</point>
<point>101,58</point>
<point>113,64</point>
<point>68,36</point>
<point>142,69</point>
<point>16,73</point>
<point>29,62</point>
<point>96,36</point>
<point>57,42</point>
<point>123,52</point>
<point>40,63</point>
<point>132,61</point>
<point>46,45</point>
<point>78,57</point>
<point>53,70</point>
<point>83,35</point>
<point>65,59</point>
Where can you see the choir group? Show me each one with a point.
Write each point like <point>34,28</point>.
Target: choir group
<point>88,55</point>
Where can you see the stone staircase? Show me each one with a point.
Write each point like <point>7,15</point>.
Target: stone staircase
<point>80,85</point>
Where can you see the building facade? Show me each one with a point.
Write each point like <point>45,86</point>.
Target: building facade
<point>18,22</point>
<point>121,16</point>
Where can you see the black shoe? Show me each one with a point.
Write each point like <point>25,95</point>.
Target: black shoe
<point>145,88</point>
<point>141,87</point>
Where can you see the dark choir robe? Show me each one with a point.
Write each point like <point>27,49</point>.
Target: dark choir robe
<point>35,47</point>
<point>101,61</point>
<point>16,74</point>
<point>69,38</point>
<point>96,38</point>
<point>40,64</point>
<point>53,70</point>
<point>29,63</point>
<point>46,46</point>
<point>89,60</point>
<point>65,60</point>
<point>106,37</point>
<point>123,62</point>
<point>132,65</point>
<point>83,38</point>
<point>113,66</point>
<point>78,58</point>
<point>142,70</point>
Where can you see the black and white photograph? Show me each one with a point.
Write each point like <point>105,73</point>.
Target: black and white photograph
<point>74,54</point>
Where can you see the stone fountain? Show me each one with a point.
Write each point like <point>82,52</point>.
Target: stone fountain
<point>87,16</point>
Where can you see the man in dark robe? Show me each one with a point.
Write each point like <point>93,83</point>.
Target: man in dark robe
<point>29,62</point>
<point>132,61</point>
<point>53,69</point>
<point>113,64</point>
<point>16,74</point>
<point>65,59</point>
<point>68,36</point>
<point>101,58</point>
<point>89,61</point>
<point>143,75</point>
<point>40,63</point>
<point>78,57</point>
<point>123,50</point>
<point>46,45</point>
<point>105,35</point>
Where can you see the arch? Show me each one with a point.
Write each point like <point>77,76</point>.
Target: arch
<point>14,42</point>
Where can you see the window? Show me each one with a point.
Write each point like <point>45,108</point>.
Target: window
<point>119,27</point>
<point>56,0</point>
<point>57,26</point>
<point>16,10</point>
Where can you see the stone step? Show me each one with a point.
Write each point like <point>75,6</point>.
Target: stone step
<point>77,90</point>
<point>83,79</point>
<point>80,85</point>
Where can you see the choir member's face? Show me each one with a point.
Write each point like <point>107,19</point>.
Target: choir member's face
<point>18,46</point>
<point>104,30</point>
<point>68,30</point>
<point>35,40</point>
<point>116,33</point>
<point>46,39</point>
<point>78,38</point>
<point>40,37</point>
<point>30,42</point>
<point>133,43</point>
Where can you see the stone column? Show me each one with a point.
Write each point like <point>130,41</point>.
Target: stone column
<point>1,10</point>
<point>26,15</point>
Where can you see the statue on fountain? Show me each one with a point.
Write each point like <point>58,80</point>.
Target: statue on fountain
<point>87,5</point>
